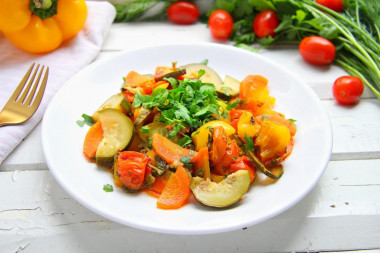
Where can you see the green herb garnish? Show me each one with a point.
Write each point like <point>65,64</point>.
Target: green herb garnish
<point>186,161</point>
<point>232,105</point>
<point>248,142</point>
<point>107,188</point>
<point>86,120</point>
<point>185,140</point>
<point>190,103</point>
<point>145,129</point>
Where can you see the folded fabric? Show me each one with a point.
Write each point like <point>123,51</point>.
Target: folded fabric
<point>63,63</point>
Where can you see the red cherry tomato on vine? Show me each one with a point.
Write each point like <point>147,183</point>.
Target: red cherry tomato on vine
<point>183,13</point>
<point>265,23</point>
<point>317,50</point>
<point>221,24</point>
<point>335,5</point>
<point>348,89</point>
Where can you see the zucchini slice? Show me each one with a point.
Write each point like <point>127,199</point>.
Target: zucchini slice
<point>275,172</point>
<point>117,101</point>
<point>229,89</point>
<point>174,74</point>
<point>210,76</point>
<point>224,193</point>
<point>145,115</point>
<point>118,132</point>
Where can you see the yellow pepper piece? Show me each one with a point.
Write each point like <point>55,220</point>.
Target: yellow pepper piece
<point>200,137</point>
<point>247,125</point>
<point>272,140</point>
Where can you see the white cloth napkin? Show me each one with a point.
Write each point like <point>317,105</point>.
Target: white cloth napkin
<point>63,63</point>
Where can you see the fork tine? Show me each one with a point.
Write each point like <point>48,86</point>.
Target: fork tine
<point>31,93</point>
<point>20,87</point>
<point>41,90</point>
<point>25,92</point>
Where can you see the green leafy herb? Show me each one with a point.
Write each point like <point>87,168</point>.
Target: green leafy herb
<point>204,62</point>
<point>186,161</point>
<point>201,72</point>
<point>185,140</point>
<point>190,103</point>
<point>292,120</point>
<point>87,120</point>
<point>131,10</point>
<point>233,105</point>
<point>107,188</point>
<point>248,142</point>
<point>145,129</point>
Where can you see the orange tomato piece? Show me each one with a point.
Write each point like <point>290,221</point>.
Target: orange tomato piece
<point>218,146</point>
<point>132,167</point>
<point>232,152</point>
<point>243,163</point>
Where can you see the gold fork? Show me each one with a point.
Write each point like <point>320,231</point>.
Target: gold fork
<point>26,98</point>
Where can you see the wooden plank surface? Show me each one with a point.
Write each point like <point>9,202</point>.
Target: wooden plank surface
<point>331,217</point>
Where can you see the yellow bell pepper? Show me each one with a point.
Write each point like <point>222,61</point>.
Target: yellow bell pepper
<point>200,137</point>
<point>272,140</point>
<point>247,125</point>
<point>40,26</point>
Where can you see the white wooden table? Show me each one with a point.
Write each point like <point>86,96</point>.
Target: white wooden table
<point>342,213</point>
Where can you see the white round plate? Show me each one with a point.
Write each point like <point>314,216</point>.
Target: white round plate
<point>62,141</point>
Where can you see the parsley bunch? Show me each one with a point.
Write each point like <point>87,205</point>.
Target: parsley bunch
<point>190,103</point>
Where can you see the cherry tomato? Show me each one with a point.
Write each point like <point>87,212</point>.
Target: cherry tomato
<point>218,146</point>
<point>348,89</point>
<point>221,24</point>
<point>231,153</point>
<point>243,163</point>
<point>132,167</point>
<point>317,50</point>
<point>265,23</point>
<point>183,13</point>
<point>335,5</point>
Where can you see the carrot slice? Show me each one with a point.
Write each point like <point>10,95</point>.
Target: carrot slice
<point>157,187</point>
<point>202,165</point>
<point>91,142</point>
<point>134,79</point>
<point>168,150</point>
<point>176,191</point>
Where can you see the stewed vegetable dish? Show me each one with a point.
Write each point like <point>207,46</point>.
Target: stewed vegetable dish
<point>184,130</point>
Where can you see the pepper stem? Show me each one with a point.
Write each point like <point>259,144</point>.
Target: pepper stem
<point>43,8</point>
<point>42,4</point>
